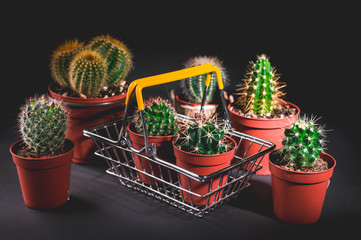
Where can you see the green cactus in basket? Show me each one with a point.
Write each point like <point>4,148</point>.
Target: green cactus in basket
<point>160,118</point>
<point>87,73</point>
<point>260,92</point>
<point>118,58</point>
<point>193,87</point>
<point>61,59</point>
<point>303,142</point>
<point>205,137</point>
<point>43,125</point>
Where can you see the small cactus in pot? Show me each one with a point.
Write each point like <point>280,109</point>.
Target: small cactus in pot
<point>43,124</point>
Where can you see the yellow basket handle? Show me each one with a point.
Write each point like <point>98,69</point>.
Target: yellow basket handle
<point>138,85</point>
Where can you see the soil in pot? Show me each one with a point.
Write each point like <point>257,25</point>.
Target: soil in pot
<point>203,165</point>
<point>298,196</point>
<point>269,128</point>
<point>88,112</point>
<point>164,151</point>
<point>44,181</point>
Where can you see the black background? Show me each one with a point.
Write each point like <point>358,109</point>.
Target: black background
<point>315,48</point>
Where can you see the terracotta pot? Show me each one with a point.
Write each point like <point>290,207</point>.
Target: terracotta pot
<point>298,196</point>
<point>189,109</point>
<point>203,165</point>
<point>267,129</point>
<point>164,152</point>
<point>85,113</point>
<point>44,181</point>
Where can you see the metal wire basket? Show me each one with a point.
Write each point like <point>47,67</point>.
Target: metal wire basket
<point>166,181</point>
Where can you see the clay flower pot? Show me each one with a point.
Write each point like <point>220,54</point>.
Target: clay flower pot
<point>203,165</point>
<point>266,129</point>
<point>298,196</point>
<point>44,181</point>
<point>87,112</point>
<point>164,152</point>
<point>190,109</point>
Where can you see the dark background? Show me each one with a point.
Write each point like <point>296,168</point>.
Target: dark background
<point>315,48</point>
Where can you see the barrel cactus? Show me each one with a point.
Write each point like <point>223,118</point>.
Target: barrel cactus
<point>260,92</point>
<point>205,137</point>
<point>303,142</point>
<point>43,125</point>
<point>87,73</point>
<point>61,59</point>
<point>193,87</point>
<point>160,118</point>
<point>118,58</point>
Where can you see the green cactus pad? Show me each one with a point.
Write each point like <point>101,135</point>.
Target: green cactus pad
<point>160,118</point>
<point>43,124</point>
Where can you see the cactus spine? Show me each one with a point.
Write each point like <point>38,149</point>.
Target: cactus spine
<point>118,59</point>
<point>260,91</point>
<point>43,124</point>
<point>303,142</point>
<point>193,87</point>
<point>61,59</point>
<point>203,137</point>
<point>160,118</point>
<point>87,73</point>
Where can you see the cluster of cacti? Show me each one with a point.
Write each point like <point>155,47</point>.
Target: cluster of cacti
<point>43,124</point>
<point>87,69</point>
<point>205,137</point>
<point>303,142</point>
<point>260,91</point>
<point>160,118</point>
<point>193,87</point>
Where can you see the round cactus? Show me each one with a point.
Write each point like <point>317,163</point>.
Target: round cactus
<point>61,59</point>
<point>203,137</point>
<point>160,118</point>
<point>43,124</point>
<point>193,87</point>
<point>117,57</point>
<point>87,73</point>
<point>303,142</point>
<point>260,91</point>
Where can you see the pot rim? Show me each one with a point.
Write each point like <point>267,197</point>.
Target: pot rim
<point>300,172</point>
<point>83,102</point>
<point>194,104</point>
<point>265,119</point>
<point>42,158</point>
<point>205,155</point>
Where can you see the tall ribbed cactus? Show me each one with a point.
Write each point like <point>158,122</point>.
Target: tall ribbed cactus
<point>61,59</point>
<point>303,142</point>
<point>260,91</point>
<point>87,73</point>
<point>118,59</point>
<point>43,124</point>
<point>160,118</point>
<point>203,137</point>
<point>193,87</point>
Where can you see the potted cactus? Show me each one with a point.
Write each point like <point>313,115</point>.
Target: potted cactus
<point>203,148</point>
<point>189,102</point>
<point>90,81</point>
<point>43,156</point>
<point>300,173</point>
<point>161,128</point>
<point>260,110</point>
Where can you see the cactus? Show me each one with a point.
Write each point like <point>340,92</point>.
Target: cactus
<point>118,59</point>
<point>193,87</point>
<point>260,91</point>
<point>203,137</point>
<point>43,124</point>
<point>87,73</point>
<point>61,59</point>
<point>160,118</point>
<point>303,142</point>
